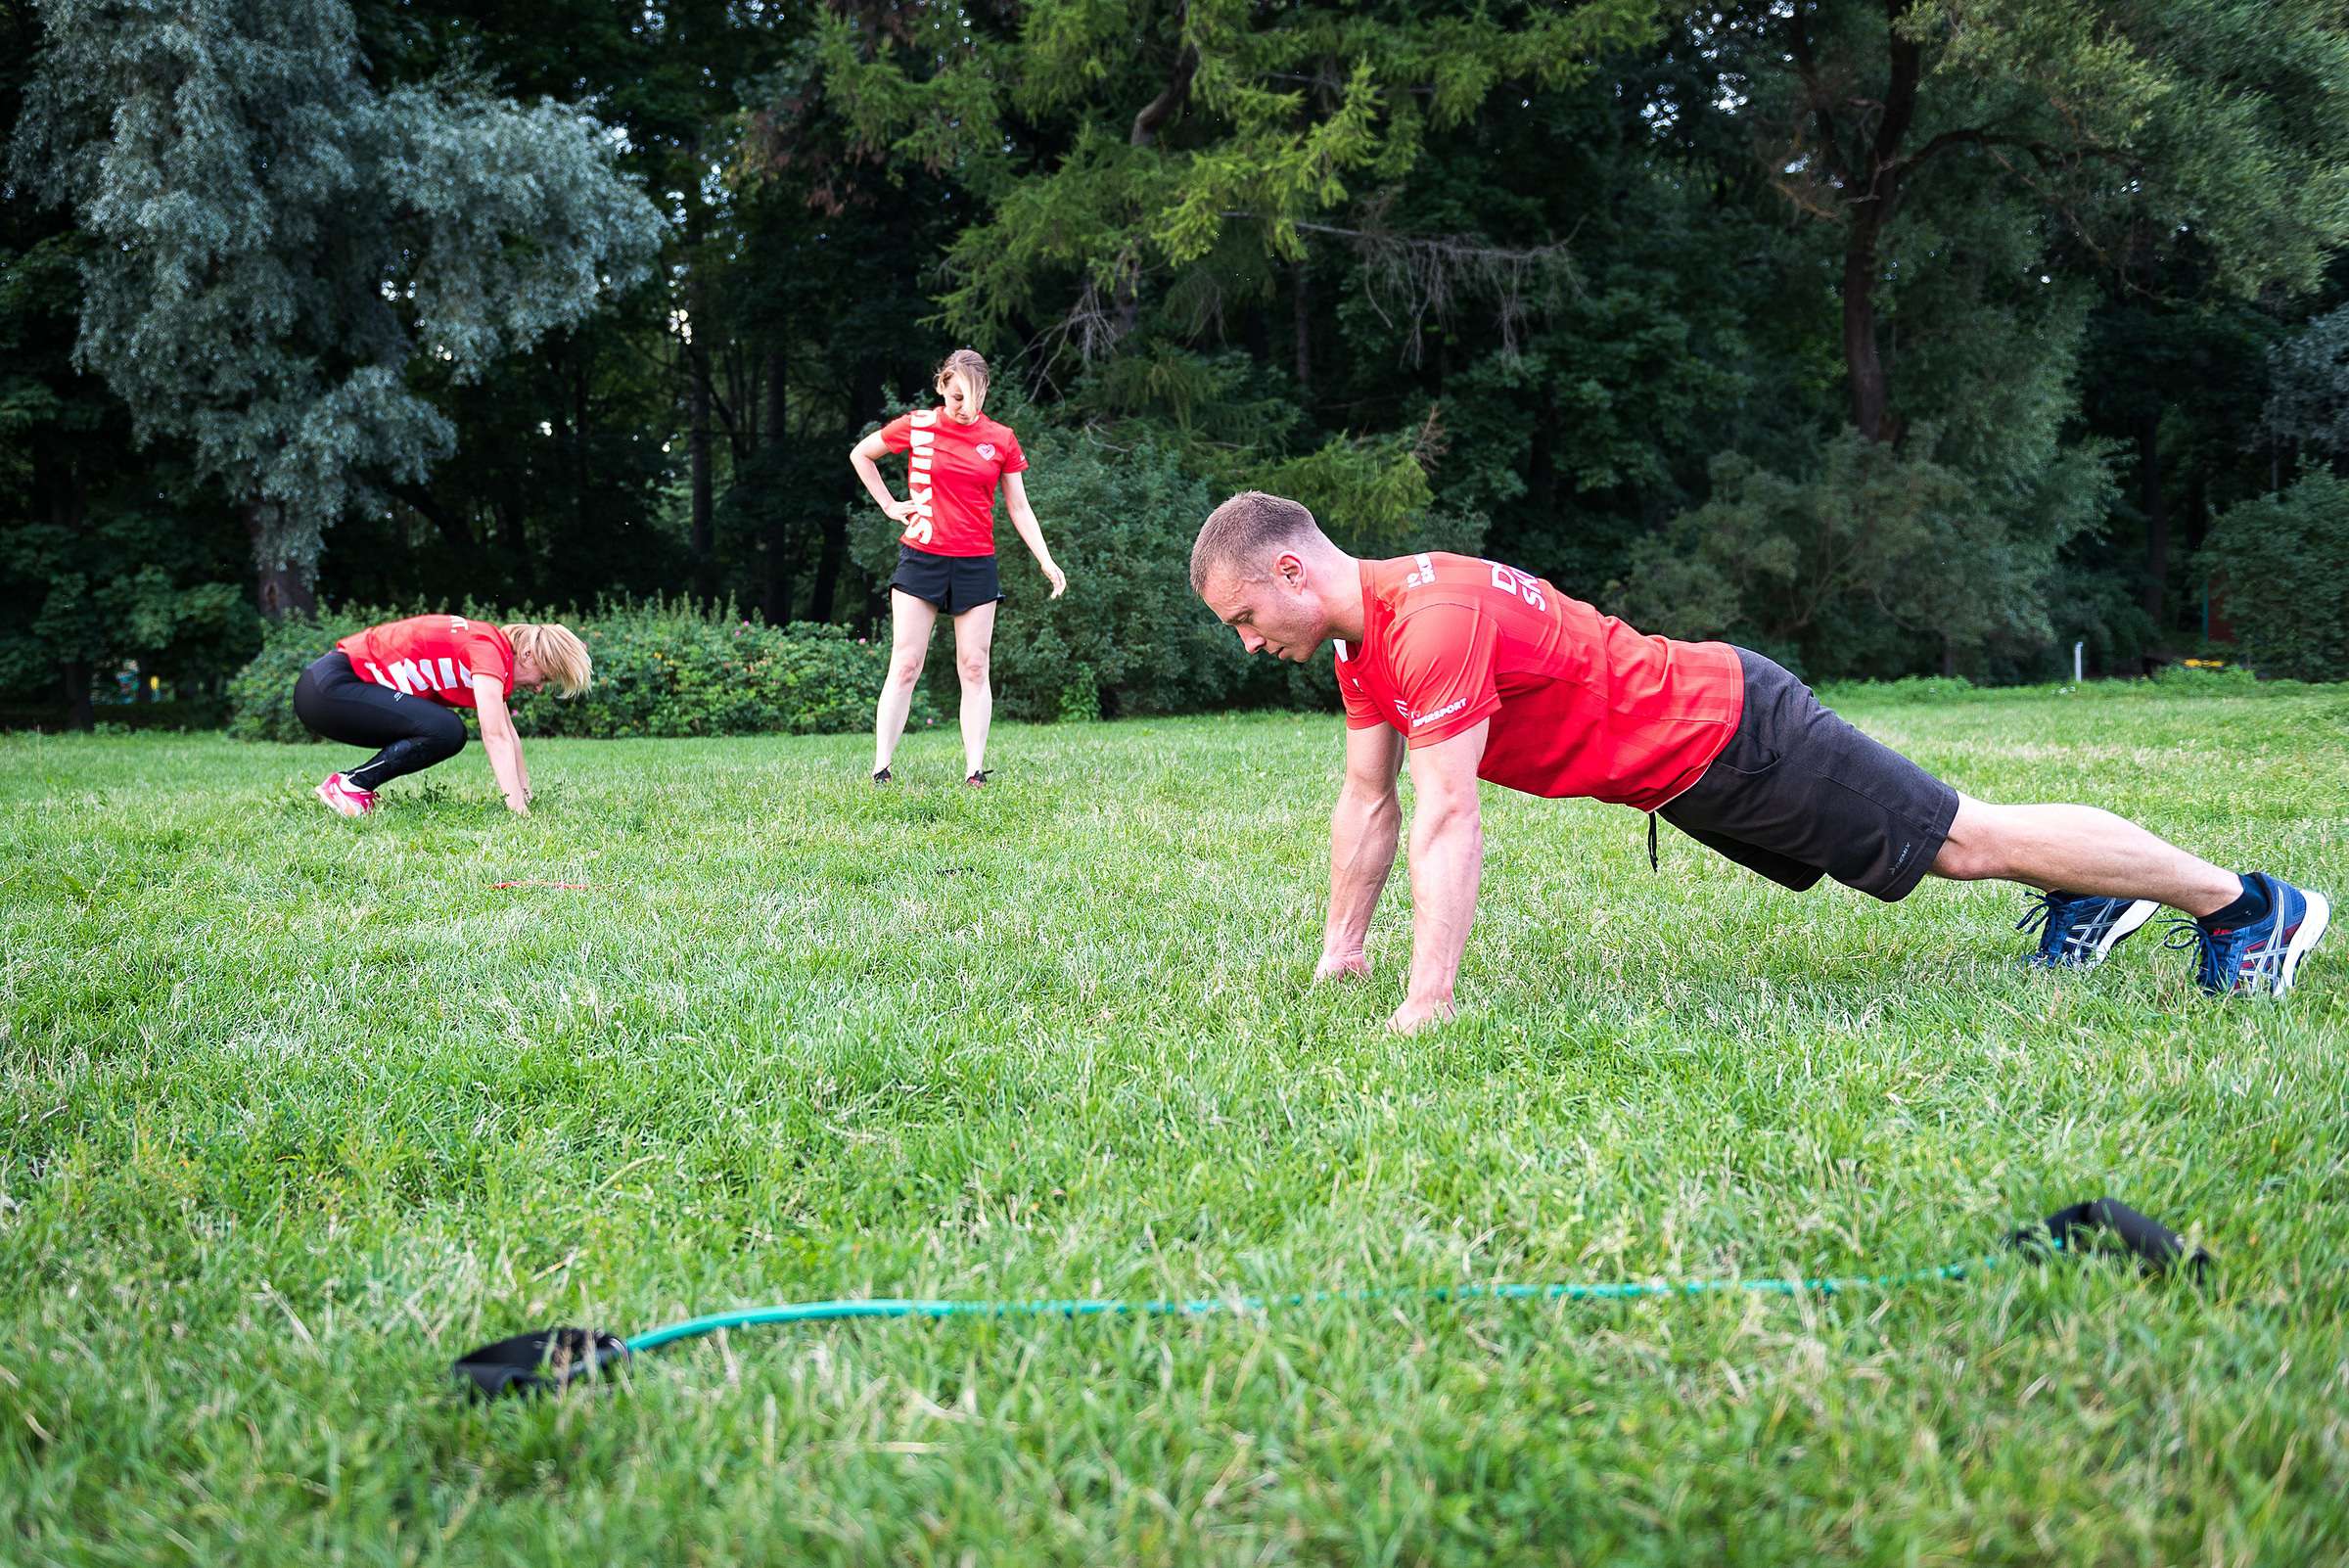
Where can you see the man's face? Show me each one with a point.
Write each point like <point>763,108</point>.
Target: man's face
<point>1281,614</point>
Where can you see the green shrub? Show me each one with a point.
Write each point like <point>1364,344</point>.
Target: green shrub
<point>2227,681</point>
<point>2283,561</point>
<point>661,669</point>
<point>1924,690</point>
<point>672,671</point>
<point>261,696</point>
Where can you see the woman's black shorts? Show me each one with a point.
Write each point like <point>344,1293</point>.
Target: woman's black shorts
<point>1798,794</point>
<point>952,582</point>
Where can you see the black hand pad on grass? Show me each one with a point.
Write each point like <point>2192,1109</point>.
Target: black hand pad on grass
<point>2074,1229</point>
<point>541,1363</point>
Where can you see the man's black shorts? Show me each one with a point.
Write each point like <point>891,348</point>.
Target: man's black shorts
<point>952,582</point>
<point>1798,794</point>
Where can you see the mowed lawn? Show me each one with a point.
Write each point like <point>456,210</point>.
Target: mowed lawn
<point>294,1111</point>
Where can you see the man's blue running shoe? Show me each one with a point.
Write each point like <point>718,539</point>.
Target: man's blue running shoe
<point>2076,931</point>
<point>2265,954</point>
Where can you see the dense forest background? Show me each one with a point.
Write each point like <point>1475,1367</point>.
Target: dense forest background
<point>1906,337</point>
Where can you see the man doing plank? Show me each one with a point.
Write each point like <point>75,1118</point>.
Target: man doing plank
<point>1476,670</point>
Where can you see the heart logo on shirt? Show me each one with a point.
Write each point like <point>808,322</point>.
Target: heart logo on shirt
<point>986,450</point>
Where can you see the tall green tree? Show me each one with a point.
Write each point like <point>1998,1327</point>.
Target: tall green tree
<point>1147,173</point>
<point>282,245</point>
<point>2121,122</point>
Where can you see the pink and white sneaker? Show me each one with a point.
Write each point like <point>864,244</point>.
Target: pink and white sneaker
<point>343,798</point>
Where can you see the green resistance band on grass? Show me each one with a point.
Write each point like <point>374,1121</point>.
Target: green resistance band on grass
<point>818,1312</point>
<point>553,1357</point>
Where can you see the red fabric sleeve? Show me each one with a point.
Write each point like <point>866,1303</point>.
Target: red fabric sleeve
<point>1015,461</point>
<point>1443,661</point>
<point>897,434</point>
<point>1361,711</point>
<point>488,652</point>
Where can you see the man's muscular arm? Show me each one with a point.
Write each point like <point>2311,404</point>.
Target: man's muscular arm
<point>1448,861</point>
<point>1362,833</point>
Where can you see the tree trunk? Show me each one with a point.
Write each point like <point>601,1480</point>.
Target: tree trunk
<point>696,374</point>
<point>865,401</point>
<point>1862,365</point>
<point>424,504</point>
<point>582,472</point>
<point>1301,274</point>
<point>1147,122</point>
<point>514,540</point>
<point>2157,522</point>
<point>1541,468</point>
<point>775,602</point>
<point>282,590</point>
<point>56,476</point>
<point>1869,169</point>
<point>74,686</point>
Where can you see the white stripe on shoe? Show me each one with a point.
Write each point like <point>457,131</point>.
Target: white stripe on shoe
<point>2312,928</point>
<point>2123,924</point>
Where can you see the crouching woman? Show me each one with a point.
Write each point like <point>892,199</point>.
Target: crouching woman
<point>397,687</point>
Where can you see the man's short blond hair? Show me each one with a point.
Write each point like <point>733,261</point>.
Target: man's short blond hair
<point>555,649</point>
<point>1244,532</point>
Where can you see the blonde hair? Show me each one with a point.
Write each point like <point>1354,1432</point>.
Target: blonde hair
<point>1241,533</point>
<point>556,650</point>
<point>966,362</point>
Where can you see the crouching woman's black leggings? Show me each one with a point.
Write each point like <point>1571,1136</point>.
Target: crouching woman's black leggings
<point>412,733</point>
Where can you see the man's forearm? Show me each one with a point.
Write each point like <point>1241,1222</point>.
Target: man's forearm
<point>1448,861</point>
<point>1362,833</point>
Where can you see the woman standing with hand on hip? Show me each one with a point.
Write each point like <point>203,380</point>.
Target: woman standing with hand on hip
<point>955,455</point>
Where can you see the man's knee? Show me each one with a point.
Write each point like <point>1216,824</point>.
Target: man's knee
<point>1978,847</point>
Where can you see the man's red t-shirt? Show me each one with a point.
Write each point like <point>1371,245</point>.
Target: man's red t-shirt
<point>1580,703</point>
<point>951,471</point>
<point>431,656</point>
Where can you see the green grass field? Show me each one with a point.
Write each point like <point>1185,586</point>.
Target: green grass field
<point>294,1111</point>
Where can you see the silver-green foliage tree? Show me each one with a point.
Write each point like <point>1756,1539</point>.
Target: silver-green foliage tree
<point>1883,562</point>
<point>2308,398</point>
<point>2284,564</point>
<point>280,242</point>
